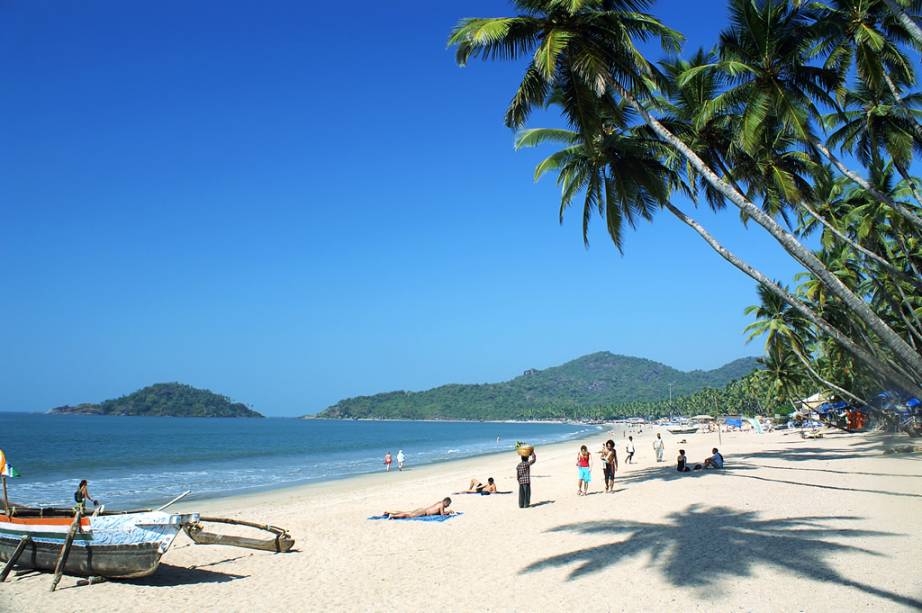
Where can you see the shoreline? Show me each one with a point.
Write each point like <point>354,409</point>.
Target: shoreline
<point>357,479</point>
<point>786,511</point>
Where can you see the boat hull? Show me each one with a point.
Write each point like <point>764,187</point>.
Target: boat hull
<point>112,561</point>
<point>120,546</point>
<point>682,430</point>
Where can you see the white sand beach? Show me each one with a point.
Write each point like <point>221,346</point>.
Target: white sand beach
<point>791,525</point>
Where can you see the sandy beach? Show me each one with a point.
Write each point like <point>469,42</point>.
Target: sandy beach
<point>790,525</point>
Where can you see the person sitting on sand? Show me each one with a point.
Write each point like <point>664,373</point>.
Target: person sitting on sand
<point>682,462</point>
<point>715,461</point>
<point>476,487</point>
<point>439,508</point>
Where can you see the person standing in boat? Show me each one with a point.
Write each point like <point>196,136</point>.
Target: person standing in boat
<point>82,495</point>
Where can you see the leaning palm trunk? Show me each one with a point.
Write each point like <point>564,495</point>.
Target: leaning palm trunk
<point>916,128</point>
<point>910,182</point>
<point>899,274</point>
<point>842,391</point>
<point>911,217</point>
<point>903,350</point>
<point>883,370</point>
<point>907,22</point>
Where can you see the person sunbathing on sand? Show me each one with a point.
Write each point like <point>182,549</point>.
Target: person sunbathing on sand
<point>476,487</point>
<point>439,508</point>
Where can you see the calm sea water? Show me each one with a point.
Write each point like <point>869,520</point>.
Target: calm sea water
<point>137,461</point>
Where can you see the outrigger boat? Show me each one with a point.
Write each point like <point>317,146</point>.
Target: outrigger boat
<point>106,544</point>
<point>682,429</point>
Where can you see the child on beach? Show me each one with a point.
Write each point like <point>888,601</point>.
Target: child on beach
<point>630,450</point>
<point>584,468</point>
<point>388,460</point>
<point>523,474</point>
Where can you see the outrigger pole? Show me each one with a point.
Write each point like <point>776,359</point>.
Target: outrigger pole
<point>6,501</point>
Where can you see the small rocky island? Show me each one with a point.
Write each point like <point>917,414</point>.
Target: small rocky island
<point>164,400</point>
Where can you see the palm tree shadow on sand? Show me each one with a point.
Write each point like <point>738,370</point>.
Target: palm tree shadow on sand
<point>702,547</point>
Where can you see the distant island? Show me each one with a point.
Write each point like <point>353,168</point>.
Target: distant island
<point>593,386</point>
<point>164,400</point>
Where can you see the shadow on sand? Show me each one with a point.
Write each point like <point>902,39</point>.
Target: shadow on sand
<point>168,576</point>
<point>729,543</point>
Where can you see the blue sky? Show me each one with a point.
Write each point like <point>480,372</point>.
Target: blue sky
<point>291,204</point>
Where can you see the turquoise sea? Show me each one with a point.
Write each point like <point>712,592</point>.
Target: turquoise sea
<point>140,461</point>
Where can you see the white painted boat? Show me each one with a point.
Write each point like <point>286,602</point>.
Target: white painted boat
<point>682,429</point>
<point>113,545</point>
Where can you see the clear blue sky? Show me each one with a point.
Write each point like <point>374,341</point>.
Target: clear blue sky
<point>291,203</point>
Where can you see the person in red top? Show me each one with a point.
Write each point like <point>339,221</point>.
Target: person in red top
<point>584,466</point>
<point>388,461</point>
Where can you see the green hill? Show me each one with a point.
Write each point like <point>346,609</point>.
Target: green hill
<point>164,400</point>
<point>598,379</point>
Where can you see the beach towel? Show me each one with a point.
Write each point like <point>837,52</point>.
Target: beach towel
<point>423,518</point>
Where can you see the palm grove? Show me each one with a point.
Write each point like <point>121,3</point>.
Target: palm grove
<point>803,117</point>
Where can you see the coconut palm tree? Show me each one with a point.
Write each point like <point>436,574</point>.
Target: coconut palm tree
<point>605,174</point>
<point>872,125</point>
<point>585,48</point>
<point>781,326</point>
<point>864,34</point>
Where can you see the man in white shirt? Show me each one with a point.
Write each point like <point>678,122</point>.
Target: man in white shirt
<point>659,447</point>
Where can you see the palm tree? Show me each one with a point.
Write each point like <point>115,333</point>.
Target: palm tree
<point>587,51</point>
<point>603,171</point>
<point>872,125</point>
<point>898,8</point>
<point>863,33</point>
<point>782,374</point>
<point>782,326</point>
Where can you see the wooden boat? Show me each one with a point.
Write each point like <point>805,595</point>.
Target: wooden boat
<point>112,545</point>
<point>279,542</point>
<point>682,429</point>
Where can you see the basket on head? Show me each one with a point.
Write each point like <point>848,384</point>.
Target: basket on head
<point>525,450</point>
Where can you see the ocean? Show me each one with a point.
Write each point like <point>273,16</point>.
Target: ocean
<point>141,461</point>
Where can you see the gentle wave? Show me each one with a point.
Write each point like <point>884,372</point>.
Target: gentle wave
<point>143,461</point>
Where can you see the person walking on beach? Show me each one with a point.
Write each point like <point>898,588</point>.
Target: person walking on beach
<point>387,462</point>
<point>523,474</point>
<point>400,459</point>
<point>584,468</point>
<point>659,447</point>
<point>609,465</point>
<point>630,450</point>
<point>82,495</point>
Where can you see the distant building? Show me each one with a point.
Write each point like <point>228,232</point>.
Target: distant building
<point>531,371</point>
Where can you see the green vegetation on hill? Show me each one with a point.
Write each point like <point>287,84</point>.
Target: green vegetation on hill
<point>581,388</point>
<point>164,400</point>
